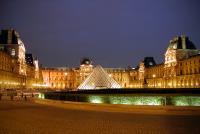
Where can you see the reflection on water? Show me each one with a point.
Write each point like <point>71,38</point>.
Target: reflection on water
<point>126,99</point>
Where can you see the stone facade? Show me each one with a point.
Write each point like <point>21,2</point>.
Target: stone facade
<point>14,70</point>
<point>71,78</point>
<point>180,69</point>
<point>59,78</point>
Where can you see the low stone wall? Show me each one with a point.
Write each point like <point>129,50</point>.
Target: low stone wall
<point>138,90</point>
<point>16,98</point>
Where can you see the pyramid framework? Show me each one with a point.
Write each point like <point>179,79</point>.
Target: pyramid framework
<point>98,79</point>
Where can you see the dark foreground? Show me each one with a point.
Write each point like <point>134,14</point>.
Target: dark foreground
<point>20,117</point>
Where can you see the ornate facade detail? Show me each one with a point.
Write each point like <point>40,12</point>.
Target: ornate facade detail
<point>17,70</point>
<point>181,69</point>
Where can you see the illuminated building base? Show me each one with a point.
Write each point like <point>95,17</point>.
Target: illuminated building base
<point>99,79</point>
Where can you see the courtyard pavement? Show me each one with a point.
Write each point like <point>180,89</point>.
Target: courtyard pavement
<point>25,117</point>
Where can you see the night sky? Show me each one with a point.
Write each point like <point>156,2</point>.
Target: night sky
<point>113,33</point>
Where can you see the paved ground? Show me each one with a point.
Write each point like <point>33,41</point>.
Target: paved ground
<point>19,117</point>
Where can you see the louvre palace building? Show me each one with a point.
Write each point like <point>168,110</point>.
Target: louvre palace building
<point>18,69</point>
<point>180,69</point>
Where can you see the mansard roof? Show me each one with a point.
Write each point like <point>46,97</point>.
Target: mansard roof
<point>9,33</point>
<point>181,42</point>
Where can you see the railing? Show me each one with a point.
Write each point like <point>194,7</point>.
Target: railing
<point>17,95</point>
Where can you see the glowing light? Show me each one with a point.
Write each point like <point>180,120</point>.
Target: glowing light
<point>41,96</point>
<point>36,65</point>
<point>130,85</point>
<point>154,75</point>
<point>40,85</point>
<point>13,52</point>
<point>65,74</point>
<point>135,99</point>
<point>95,99</point>
<point>170,84</point>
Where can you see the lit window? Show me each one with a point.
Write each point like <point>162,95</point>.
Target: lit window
<point>13,52</point>
<point>150,63</point>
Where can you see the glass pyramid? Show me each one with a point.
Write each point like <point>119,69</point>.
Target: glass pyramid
<point>98,79</point>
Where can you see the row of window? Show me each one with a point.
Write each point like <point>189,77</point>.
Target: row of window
<point>59,78</point>
<point>189,71</point>
<point>61,85</point>
<point>6,63</point>
<point>194,62</point>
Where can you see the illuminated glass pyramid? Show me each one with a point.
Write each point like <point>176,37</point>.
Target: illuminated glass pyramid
<point>98,79</point>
